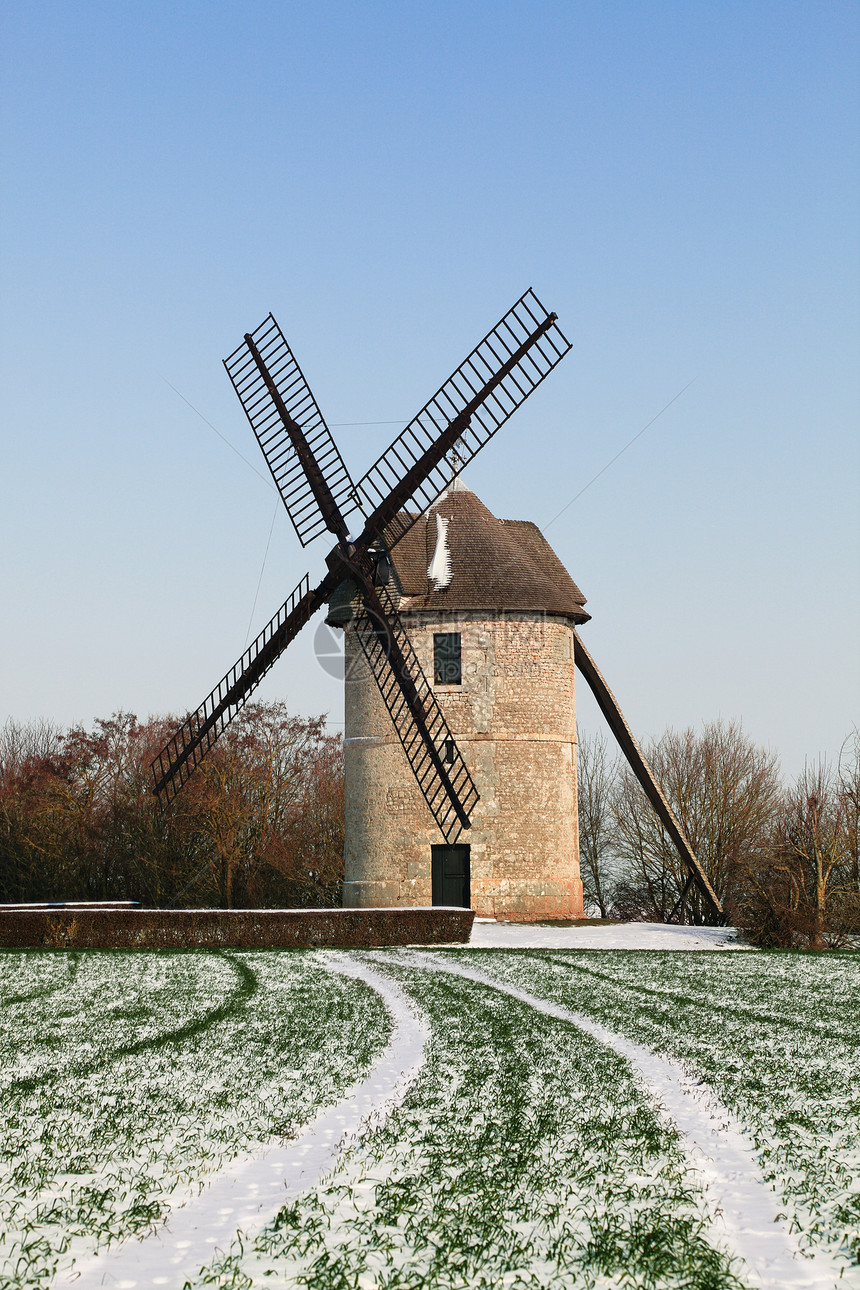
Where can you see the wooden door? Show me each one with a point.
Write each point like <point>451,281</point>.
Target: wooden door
<point>450,872</point>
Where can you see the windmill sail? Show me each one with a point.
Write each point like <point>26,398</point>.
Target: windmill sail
<point>496,378</point>
<point>266,403</point>
<point>316,488</point>
<point>430,747</point>
<point>174,764</point>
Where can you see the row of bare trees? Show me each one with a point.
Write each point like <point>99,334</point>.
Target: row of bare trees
<point>259,824</point>
<point>784,860</point>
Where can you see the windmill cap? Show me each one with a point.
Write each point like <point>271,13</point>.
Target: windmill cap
<point>492,563</point>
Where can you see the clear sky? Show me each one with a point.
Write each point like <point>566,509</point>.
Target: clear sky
<point>679,182</point>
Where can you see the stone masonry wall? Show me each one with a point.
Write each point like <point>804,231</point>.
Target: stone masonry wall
<point>514,721</point>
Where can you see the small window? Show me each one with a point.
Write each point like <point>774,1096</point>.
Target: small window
<point>447,668</point>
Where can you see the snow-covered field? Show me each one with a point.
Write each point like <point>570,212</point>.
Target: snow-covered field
<point>525,1116</point>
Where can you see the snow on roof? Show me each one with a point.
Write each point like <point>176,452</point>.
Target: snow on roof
<point>439,570</point>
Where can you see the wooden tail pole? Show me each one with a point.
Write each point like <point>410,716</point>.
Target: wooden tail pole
<point>609,707</point>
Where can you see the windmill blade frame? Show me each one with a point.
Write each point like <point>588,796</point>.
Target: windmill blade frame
<point>277,400</point>
<point>492,382</point>
<point>197,734</point>
<point>424,734</point>
<point>495,379</point>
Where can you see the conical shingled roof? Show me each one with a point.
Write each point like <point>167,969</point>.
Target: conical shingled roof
<point>495,564</point>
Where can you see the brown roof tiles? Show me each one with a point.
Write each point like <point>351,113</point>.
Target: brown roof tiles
<point>496,564</point>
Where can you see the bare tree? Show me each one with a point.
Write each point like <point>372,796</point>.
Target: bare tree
<point>28,757</point>
<point>724,790</point>
<point>649,878</point>
<point>809,847</point>
<point>243,804</point>
<point>803,891</point>
<point>848,790</point>
<point>308,855</point>
<point>596,775</point>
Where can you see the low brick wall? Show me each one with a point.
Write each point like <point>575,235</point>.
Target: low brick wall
<point>177,929</point>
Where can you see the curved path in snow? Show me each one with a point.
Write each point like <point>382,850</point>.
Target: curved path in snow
<point>249,1193</point>
<point>745,1210</point>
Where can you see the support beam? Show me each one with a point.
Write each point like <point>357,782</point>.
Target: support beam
<point>617,724</point>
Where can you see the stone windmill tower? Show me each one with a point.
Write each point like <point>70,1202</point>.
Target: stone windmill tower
<point>428,584</point>
<point>490,612</point>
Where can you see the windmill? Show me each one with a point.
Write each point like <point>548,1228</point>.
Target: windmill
<point>319,495</point>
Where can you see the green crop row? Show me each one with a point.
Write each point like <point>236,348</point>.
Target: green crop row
<point>776,1036</point>
<point>525,1156</point>
<point>128,1078</point>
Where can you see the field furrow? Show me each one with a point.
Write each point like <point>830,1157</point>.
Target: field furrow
<point>526,1155</point>
<point>35,975</point>
<point>528,1151</point>
<point>739,1027</point>
<point>150,1073</point>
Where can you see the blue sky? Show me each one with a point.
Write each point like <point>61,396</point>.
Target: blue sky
<point>678,182</point>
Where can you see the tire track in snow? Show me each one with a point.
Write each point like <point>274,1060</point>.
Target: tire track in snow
<point>744,1209</point>
<point>30,996</point>
<point>247,1195</point>
<point>234,1003</point>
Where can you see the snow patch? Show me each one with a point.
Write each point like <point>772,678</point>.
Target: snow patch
<point>247,1195</point>
<point>439,570</point>
<point>488,934</point>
